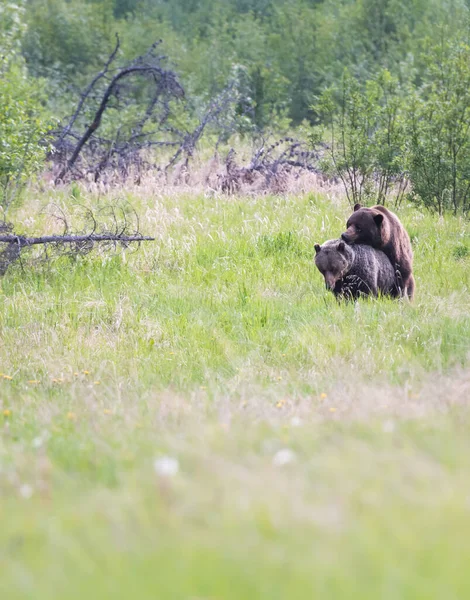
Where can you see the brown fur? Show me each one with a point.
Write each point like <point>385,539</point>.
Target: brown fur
<point>381,229</point>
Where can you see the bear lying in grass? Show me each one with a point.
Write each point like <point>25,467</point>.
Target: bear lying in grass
<point>354,271</point>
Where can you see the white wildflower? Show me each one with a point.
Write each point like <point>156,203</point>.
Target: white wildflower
<point>388,426</point>
<point>26,491</point>
<point>284,457</point>
<point>166,466</point>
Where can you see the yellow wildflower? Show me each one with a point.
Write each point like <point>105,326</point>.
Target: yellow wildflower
<point>323,396</point>
<point>7,377</point>
<point>7,412</point>
<point>71,416</point>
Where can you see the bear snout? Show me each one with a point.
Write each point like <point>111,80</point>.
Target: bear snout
<point>330,281</point>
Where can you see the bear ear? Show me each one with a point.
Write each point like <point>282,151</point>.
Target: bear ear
<point>340,247</point>
<point>357,207</point>
<point>317,248</point>
<point>378,220</point>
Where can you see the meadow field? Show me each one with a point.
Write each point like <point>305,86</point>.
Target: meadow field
<point>199,419</point>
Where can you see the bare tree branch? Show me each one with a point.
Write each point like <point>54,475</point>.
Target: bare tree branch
<point>122,230</point>
<point>23,241</point>
<point>285,156</point>
<point>166,87</point>
<point>86,93</point>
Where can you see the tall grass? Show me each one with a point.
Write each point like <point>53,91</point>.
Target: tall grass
<point>322,447</point>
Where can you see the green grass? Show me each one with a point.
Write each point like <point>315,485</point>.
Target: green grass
<point>217,345</point>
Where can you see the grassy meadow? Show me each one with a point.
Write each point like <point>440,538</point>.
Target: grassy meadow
<point>200,419</point>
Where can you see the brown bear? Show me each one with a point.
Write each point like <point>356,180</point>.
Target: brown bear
<point>381,229</point>
<point>354,271</point>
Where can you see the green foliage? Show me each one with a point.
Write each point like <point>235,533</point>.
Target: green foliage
<point>395,109</point>
<point>22,135</point>
<point>439,122</point>
<point>23,126</point>
<point>364,127</point>
<point>290,50</point>
<point>67,40</point>
<point>12,28</point>
<point>461,252</point>
<point>382,134</point>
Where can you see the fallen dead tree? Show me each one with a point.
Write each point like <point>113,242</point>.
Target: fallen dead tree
<point>22,241</point>
<point>271,168</point>
<point>117,230</point>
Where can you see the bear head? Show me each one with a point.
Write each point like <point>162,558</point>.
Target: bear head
<point>365,226</point>
<point>333,259</point>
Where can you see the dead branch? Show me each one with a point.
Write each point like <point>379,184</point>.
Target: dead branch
<point>217,111</point>
<point>96,99</point>
<point>68,128</point>
<point>109,227</point>
<point>23,241</point>
<point>272,164</point>
<point>83,149</point>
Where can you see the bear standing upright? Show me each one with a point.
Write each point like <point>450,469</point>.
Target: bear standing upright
<point>381,229</point>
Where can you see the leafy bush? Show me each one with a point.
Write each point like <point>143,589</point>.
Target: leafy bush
<point>381,135</point>
<point>364,129</point>
<point>438,125</point>
<point>23,124</point>
<point>461,252</point>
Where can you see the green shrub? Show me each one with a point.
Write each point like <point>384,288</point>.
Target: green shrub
<point>460,252</point>
<point>23,123</point>
<point>364,129</point>
<point>382,135</point>
<point>438,125</point>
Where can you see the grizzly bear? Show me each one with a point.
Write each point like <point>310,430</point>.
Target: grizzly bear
<point>354,271</point>
<point>381,229</point>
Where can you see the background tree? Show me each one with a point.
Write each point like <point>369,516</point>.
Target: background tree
<point>439,127</point>
<point>23,120</point>
<point>364,131</point>
<point>290,49</point>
